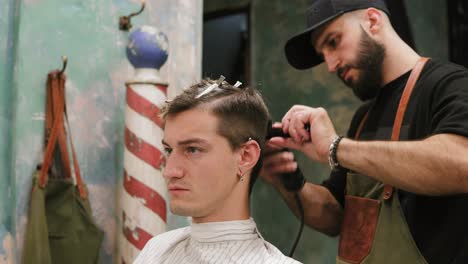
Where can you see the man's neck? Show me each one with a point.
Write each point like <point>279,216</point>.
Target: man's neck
<point>233,208</point>
<point>399,59</point>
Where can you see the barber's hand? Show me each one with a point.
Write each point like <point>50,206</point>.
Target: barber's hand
<point>313,143</point>
<point>276,161</point>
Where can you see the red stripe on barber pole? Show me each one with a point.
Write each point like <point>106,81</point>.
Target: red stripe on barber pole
<point>152,199</point>
<point>143,150</point>
<point>143,106</point>
<point>137,237</point>
<point>162,88</point>
<point>142,196</point>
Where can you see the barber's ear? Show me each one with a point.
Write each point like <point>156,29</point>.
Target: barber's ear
<point>249,155</point>
<point>374,20</point>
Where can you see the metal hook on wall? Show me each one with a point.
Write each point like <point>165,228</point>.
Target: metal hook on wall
<point>124,21</point>
<point>64,64</point>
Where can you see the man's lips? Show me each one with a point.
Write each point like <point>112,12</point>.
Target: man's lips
<point>343,73</point>
<point>176,188</point>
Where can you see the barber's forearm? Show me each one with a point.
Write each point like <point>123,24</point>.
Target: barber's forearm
<point>435,166</point>
<point>321,210</point>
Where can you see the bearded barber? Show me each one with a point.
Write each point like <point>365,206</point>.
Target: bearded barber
<point>398,190</point>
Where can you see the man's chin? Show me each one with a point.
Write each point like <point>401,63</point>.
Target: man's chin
<point>351,84</point>
<point>182,210</point>
<point>179,210</point>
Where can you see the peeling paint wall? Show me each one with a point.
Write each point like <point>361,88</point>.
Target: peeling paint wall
<point>86,31</point>
<point>8,19</point>
<point>429,24</point>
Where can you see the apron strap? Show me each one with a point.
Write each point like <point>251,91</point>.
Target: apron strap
<point>54,112</point>
<point>56,105</point>
<point>52,109</point>
<point>62,134</point>
<point>414,76</point>
<point>406,96</point>
<point>79,181</point>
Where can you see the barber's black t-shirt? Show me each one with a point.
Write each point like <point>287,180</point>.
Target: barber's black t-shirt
<point>438,104</point>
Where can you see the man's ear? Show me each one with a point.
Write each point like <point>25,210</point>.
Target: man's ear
<point>249,155</point>
<point>374,20</point>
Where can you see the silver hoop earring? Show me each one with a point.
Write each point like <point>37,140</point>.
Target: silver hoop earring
<point>241,175</point>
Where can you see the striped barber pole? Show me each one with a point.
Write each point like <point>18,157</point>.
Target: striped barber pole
<point>144,194</point>
<point>143,198</point>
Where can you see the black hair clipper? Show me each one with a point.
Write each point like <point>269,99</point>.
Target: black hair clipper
<point>292,181</point>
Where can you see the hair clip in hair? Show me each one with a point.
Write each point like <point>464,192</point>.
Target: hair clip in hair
<point>237,84</point>
<point>211,87</point>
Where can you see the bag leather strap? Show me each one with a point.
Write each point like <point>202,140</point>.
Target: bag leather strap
<point>54,113</point>
<point>55,131</point>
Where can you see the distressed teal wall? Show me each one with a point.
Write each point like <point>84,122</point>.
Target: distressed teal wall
<point>34,36</point>
<point>8,21</point>
<point>429,23</point>
<point>272,22</point>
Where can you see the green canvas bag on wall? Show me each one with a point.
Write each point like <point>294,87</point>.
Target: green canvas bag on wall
<point>60,226</point>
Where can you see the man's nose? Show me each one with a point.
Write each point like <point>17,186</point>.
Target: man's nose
<point>332,61</point>
<point>173,168</point>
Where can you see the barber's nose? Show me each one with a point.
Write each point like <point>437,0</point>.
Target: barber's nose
<point>332,61</point>
<point>173,168</point>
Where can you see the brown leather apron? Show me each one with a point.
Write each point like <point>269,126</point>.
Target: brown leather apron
<point>374,229</point>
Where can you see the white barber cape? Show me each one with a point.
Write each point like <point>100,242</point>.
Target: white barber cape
<point>219,242</point>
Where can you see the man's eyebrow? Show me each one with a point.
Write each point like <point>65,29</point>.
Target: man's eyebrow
<point>191,141</point>
<point>187,141</point>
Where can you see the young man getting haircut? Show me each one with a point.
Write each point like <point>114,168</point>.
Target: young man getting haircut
<point>213,136</point>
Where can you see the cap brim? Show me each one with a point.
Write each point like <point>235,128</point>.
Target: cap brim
<point>299,50</point>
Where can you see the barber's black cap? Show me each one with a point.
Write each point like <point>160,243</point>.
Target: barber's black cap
<point>299,50</point>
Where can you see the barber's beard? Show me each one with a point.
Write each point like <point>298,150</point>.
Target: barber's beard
<point>369,64</point>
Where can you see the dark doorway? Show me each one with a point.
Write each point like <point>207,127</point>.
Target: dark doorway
<point>458,31</point>
<point>226,46</point>
<point>399,20</point>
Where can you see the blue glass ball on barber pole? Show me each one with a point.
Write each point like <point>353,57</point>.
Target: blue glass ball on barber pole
<point>147,48</point>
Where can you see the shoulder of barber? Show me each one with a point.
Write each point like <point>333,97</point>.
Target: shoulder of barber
<point>437,165</point>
